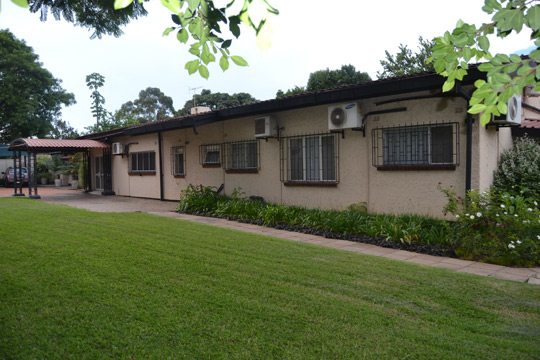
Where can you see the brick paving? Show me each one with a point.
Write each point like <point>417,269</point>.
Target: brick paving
<point>94,202</point>
<point>42,191</point>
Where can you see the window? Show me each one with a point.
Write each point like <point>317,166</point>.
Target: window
<point>311,159</point>
<point>432,145</point>
<point>243,155</point>
<point>210,154</point>
<point>178,161</point>
<point>142,162</point>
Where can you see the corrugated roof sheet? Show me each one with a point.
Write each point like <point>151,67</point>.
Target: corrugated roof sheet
<point>56,144</point>
<point>530,124</point>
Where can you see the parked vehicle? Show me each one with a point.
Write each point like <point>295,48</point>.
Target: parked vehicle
<point>9,176</point>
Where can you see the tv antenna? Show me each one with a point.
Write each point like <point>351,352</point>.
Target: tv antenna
<point>194,93</point>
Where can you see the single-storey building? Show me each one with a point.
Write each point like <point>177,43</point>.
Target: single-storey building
<point>387,144</point>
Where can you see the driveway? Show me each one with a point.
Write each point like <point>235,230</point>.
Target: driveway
<point>42,191</point>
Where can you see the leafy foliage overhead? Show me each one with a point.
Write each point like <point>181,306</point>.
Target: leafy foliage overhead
<point>405,62</point>
<point>31,99</point>
<point>151,105</point>
<point>97,15</point>
<point>506,74</point>
<point>216,101</point>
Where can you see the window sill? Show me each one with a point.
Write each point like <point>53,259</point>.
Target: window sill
<point>211,165</point>
<point>416,168</point>
<point>179,176</point>
<point>314,184</point>
<point>151,173</point>
<point>242,171</point>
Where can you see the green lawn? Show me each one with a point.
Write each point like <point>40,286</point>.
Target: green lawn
<point>83,285</point>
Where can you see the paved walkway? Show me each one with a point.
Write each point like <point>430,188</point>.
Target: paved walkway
<point>43,190</point>
<point>167,209</point>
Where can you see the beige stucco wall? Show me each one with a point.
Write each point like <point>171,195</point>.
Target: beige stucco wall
<point>359,181</point>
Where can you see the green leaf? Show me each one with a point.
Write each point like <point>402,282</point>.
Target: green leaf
<point>176,19</point>
<point>234,21</point>
<point>183,36</point>
<point>24,3</point>
<point>476,109</point>
<point>483,42</point>
<point>224,63</point>
<point>193,4</point>
<point>168,31</point>
<point>533,17</point>
<point>502,107</point>
<point>238,60</point>
<point>478,83</point>
<point>264,37</point>
<point>118,4</point>
<point>485,67</point>
<point>535,55</point>
<point>515,58</point>
<point>485,118</point>
<point>173,5</point>
<point>474,101</point>
<point>448,85</point>
<point>226,44</point>
<point>467,54</point>
<point>203,71</point>
<point>192,66</point>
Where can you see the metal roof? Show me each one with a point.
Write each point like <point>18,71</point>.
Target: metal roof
<point>55,145</point>
<point>530,123</point>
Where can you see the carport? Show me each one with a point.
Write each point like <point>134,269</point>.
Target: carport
<point>40,146</point>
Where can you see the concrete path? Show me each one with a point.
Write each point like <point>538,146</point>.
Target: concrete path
<point>167,209</point>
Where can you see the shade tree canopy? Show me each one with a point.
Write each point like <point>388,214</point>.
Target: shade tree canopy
<point>31,98</point>
<point>406,62</point>
<point>506,74</point>
<point>200,24</point>
<point>216,101</point>
<point>151,105</point>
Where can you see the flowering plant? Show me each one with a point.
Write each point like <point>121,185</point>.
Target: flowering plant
<point>495,227</point>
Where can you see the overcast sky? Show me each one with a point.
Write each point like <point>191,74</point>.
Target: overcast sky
<point>309,35</point>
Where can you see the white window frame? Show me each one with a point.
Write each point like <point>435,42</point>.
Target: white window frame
<point>175,154</point>
<point>321,170</point>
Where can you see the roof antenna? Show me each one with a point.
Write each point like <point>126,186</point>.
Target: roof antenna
<point>194,93</point>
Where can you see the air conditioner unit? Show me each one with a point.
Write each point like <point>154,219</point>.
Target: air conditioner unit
<point>117,149</point>
<point>344,116</point>
<point>265,127</point>
<point>513,114</point>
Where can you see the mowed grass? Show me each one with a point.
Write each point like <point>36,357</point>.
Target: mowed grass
<point>83,285</point>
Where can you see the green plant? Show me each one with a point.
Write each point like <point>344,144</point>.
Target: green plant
<point>46,175</point>
<point>495,227</point>
<point>518,172</point>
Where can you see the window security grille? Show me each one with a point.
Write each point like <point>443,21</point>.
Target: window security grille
<point>178,161</point>
<point>241,155</point>
<point>142,162</point>
<point>310,158</point>
<point>210,154</point>
<point>432,145</point>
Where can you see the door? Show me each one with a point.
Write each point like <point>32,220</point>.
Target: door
<point>98,172</point>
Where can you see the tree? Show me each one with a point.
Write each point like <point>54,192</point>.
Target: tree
<point>328,79</point>
<point>94,81</point>
<point>98,15</point>
<point>63,130</point>
<point>31,99</point>
<point>216,101</point>
<point>151,105</point>
<point>112,121</point>
<point>405,62</point>
<point>506,74</point>
<point>195,22</point>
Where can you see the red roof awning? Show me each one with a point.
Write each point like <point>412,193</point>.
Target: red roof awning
<point>55,145</point>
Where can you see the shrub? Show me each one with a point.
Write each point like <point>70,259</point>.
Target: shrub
<point>46,175</point>
<point>495,227</point>
<point>519,170</point>
<point>406,228</point>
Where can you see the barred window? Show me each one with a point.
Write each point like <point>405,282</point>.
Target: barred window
<point>142,162</point>
<point>421,145</point>
<point>178,161</point>
<point>310,159</point>
<point>242,155</point>
<point>210,154</point>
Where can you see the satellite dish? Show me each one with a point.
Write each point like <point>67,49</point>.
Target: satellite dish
<point>338,117</point>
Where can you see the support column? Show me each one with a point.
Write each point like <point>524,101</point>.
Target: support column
<point>32,174</point>
<point>17,174</point>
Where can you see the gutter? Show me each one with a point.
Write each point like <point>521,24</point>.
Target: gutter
<point>160,152</point>
<point>469,120</point>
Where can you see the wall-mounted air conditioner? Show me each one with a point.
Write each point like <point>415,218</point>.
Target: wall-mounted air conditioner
<point>344,116</point>
<point>117,149</point>
<point>513,114</point>
<point>265,127</point>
